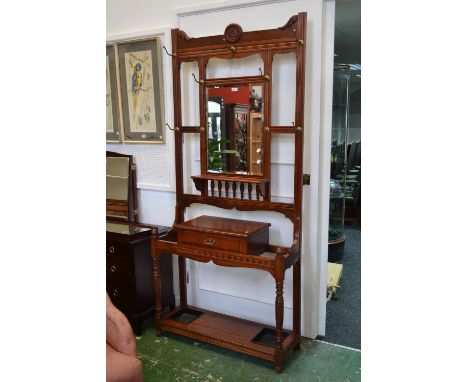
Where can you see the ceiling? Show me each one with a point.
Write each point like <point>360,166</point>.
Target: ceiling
<point>348,32</point>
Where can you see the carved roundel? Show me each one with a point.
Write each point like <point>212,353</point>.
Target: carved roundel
<point>232,33</point>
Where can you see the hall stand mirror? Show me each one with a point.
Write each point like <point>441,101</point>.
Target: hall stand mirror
<point>235,133</point>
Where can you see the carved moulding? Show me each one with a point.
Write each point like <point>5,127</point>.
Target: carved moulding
<point>232,33</point>
<point>290,23</point>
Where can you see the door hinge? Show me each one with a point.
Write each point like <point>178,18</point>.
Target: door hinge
<point>188,277</point>
<point>306,179</point>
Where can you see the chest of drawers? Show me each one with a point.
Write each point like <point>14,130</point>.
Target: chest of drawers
<point>129,272</point>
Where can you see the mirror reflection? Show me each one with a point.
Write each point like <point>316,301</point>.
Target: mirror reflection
<point>235,129</point>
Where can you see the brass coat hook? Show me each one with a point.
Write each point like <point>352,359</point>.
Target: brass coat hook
<point>198,82</point>
<point>172,55</point>
<point>232,48</point>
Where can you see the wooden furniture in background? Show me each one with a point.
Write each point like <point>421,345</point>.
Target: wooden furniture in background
<point>121,191</point>
<point>255,140</point>
<point>129,272</point>
<point>236,123</point>
<point>232,242</point>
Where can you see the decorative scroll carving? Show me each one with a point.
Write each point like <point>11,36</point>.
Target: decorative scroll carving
<point>232,33</point>
<point>226,259</point>
<point>239,204</point>
<point>290,23</point>
<point>200,185</point>
<point>183,35</point>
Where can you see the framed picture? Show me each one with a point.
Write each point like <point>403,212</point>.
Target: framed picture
<point>141,87</point>
<point>112,102</point>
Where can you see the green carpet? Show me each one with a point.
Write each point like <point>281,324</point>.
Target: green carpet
<point>176,358</point>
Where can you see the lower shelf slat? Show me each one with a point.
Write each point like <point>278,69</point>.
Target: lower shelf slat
<point>226,331</point>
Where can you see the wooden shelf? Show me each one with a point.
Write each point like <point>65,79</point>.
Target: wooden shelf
<point>227,331</point>
<point>232,178</point>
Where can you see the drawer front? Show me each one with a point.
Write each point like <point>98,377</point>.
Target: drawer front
<point>207,240</point>
<point>120,270</point>
<point>122,296</point>
<point>118,249</point>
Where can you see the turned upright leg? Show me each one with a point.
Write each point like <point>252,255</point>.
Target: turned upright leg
<point>297,302</point>
<point>156,283</point>
<point>182,283</point>
<point>179,217</point>
<point>279,311</point>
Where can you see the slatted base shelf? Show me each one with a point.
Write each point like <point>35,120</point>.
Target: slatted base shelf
<point>229,332</point>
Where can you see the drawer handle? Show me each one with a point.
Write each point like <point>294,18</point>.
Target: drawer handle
<point>111,249</point>
<point>113,268</point>
<point>115,292</point>
<point>210,242</point>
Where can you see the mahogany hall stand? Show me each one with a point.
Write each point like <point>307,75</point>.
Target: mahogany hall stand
<point>232,242</point>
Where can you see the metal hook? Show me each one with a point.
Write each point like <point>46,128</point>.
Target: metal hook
<point>266,76</point>
<point>172,55</point>
<point>170,128</point>
<point>232,48</point>
<point>198,82</point>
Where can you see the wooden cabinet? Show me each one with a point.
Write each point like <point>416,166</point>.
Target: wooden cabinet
<point>129,273</point>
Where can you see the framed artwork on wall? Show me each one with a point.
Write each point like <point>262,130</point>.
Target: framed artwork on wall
<point>112,101</point>
<point>141,89</point>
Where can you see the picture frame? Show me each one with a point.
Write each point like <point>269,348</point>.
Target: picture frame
<point>141,91</point>
<point>112,98</point>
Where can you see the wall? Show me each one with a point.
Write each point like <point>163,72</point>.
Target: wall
<point>247,294</point>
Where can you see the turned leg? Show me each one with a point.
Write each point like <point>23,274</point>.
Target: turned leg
<point>279,307</point>
<point>279,311</point>
<point>297,302</point>
<point>182,283</point>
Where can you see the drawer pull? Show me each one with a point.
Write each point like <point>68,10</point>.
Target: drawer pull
<point>210,242</point>
<point>113,268</point>
<point>115,292</point>
<point>111,249</point>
